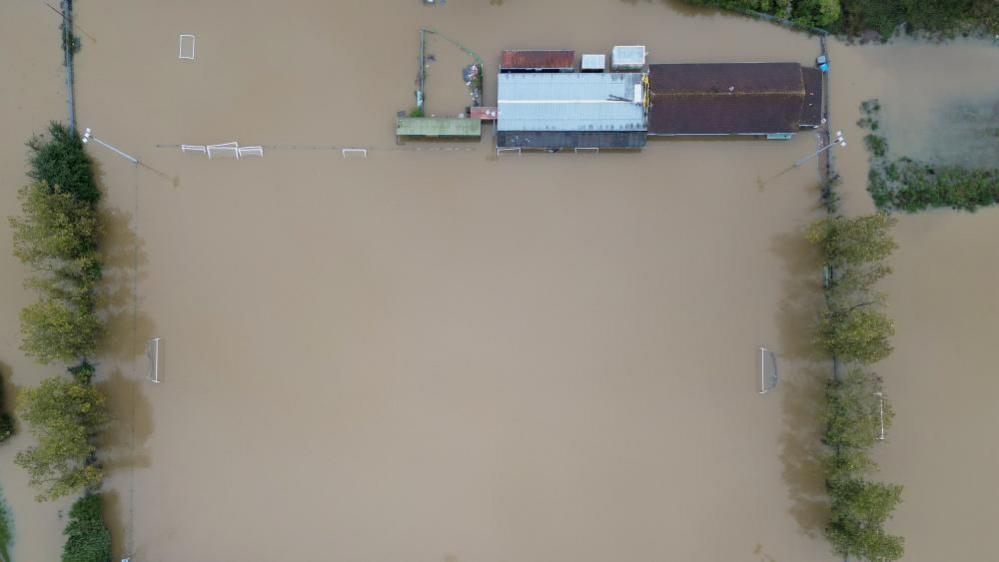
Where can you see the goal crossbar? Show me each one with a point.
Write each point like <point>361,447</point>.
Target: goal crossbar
<point>153,353</point>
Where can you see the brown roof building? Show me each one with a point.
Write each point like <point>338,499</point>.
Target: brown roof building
<point>537,61</point>
<point>733,98</point>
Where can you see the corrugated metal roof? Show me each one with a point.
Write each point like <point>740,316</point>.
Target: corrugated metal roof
<point>811,111</point>
<point>726,98</point>
<point>537,60</point>
<point>570,102</point>
<point>438,127</point>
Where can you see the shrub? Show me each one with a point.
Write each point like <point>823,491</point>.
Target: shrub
<point>859,511</point>
<point>88,538</point>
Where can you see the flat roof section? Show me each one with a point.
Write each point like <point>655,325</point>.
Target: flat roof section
<point>438,127</point>
<point>725,99</point>
<point>538,60</point>
<point>570,102</point>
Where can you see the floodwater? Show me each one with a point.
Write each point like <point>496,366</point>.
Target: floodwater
<point>441,355</point>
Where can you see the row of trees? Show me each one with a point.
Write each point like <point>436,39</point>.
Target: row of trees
<point>58,237</point>
<point>854,330</point>
<point>854,17</point>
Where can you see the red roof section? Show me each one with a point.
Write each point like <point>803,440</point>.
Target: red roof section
<point>537,60</point>
<point>483,113</point>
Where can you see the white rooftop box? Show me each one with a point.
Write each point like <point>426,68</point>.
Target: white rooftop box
<point>628,56</point>
<point>594,63</point>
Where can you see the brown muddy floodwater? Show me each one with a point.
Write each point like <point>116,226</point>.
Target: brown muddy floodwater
<point>442,356</point>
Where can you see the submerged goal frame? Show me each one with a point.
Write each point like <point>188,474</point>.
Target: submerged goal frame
<point>153,353</point>
<point>766,385</point>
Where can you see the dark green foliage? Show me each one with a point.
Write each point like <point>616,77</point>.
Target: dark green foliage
<point>859,511</point>
<point>87,537</point>
<point>60,161</point>
<point>941,18</point>
<point>911,185</point>
<point>6,420</point>
<point>877,145</point>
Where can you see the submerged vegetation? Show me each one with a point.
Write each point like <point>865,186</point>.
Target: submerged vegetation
<point>6,420</point>
<point>911,185</point>
<point>88,538</point>
<point>855,330</point>
<point>886,17</point>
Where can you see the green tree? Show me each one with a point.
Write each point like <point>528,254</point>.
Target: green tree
<point>853,407</point>
<point>59,160</point>
<point>88,538</point>
<point>859,511</point>
<point>64,416</point>
<point>858,333</point>
<point>851,242</point>
<point>56,329</point>
<point>57,232</point>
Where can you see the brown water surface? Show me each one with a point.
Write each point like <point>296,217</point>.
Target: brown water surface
<point>445,355</point>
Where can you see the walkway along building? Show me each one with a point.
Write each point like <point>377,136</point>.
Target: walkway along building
<point>761,99</point>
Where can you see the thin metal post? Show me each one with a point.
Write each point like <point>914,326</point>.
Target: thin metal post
<point>838,141</point>
<point>89,136</point>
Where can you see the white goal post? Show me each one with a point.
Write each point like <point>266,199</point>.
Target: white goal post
<point>186,47</point>
<point>226,149</point>
<point>768,370</point>
<point>153,354</point>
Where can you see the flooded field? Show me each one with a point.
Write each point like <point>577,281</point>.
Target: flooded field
<point>441,355</point>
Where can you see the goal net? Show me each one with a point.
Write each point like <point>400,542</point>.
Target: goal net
<point>768,370</point>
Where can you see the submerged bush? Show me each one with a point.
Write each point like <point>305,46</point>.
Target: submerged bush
<point>88,538</point>
<point>59,160</point>
<point>910,185</point>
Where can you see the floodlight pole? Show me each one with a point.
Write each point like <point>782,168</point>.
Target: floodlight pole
<point>839,140</point>
<point>89,136</point>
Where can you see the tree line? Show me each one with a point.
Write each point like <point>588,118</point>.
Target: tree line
<point>854,330</point>
<point>58,237</point>
<point>886,17</point>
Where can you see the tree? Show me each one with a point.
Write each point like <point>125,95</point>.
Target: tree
<point>59,329</point>
<point>64,416</point>
<point>858,333</point>
<point>853,408</point>
<point>60,160</point>
<point>56,231</point>
<point>853,241</point>
<point>87,536</point>
<point>859,511</point>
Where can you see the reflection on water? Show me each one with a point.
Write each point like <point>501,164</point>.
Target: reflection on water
<point>448,355</point>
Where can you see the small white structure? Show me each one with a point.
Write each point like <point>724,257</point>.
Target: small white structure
<point>593,63</point>
<point>194,148</point>
<point>186,47</point>
<point>628,57</point>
